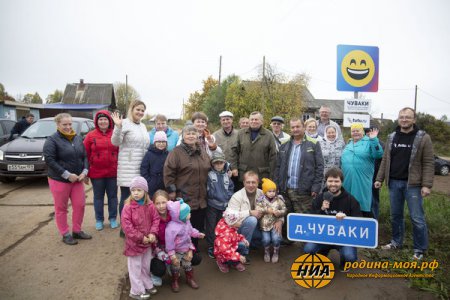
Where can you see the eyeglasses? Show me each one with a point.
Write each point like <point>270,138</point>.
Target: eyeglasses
<point>276,123</point>
<point>160,142</point>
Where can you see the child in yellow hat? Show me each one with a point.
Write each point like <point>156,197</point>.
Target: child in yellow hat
<point>273,208</point>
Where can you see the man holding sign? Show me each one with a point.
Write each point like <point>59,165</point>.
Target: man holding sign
<point>335,201</point>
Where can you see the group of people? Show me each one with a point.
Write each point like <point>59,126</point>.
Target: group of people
<point>175,189</point>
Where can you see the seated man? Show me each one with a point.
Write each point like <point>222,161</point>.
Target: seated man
<point>244,201</point>
<point>335,201</point>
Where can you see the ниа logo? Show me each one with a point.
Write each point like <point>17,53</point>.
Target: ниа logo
<point>312,271</point>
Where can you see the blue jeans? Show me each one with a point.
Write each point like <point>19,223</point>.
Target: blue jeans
<point>124,194</point>
<point>347,253</point>
<point>100,187</point>
<point>249,229</point>
<point>269,237</point>
<point>399,191</point>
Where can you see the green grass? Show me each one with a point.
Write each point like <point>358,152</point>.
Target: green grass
<point>437,211</point>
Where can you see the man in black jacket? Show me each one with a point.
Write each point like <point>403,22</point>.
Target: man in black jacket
<point>335,202</point>
<point>21,126</point>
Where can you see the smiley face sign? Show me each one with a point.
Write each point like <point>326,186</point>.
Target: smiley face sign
<point>357,68</point>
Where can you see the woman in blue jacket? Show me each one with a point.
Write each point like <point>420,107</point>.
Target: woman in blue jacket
<point>357,163</point>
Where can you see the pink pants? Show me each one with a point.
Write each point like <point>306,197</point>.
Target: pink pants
<point>61,192</point>
<point>139,272</point>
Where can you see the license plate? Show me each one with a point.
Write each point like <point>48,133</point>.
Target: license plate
<point>20,168</point>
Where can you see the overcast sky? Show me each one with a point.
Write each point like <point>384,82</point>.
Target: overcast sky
<point>168,47</point>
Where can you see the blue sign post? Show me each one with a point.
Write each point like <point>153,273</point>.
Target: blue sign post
<point>351,231</point>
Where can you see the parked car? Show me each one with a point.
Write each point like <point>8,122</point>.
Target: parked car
<point>6,125</point>
<point>441,166</point>
<point>23,157</point>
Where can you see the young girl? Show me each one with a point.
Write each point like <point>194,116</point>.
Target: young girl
<point>153,163</point>
<point>273,208</point>
<point>158,265</point>
<point>140,223</point>
<point>229,245</point>
<point>178,242</point>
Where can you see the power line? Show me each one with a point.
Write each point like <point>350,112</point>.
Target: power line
<point>425,92</point>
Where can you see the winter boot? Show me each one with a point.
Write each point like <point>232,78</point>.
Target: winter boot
<point>175,284</point>
<point>190,279</point>
<point>276,250</point>
<point>267,254</point>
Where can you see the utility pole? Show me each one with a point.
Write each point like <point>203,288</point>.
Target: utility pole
<point>220,69</point>
<point>262,85</point>
<point>415,99</point>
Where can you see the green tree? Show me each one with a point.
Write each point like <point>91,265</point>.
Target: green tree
<point>36,99</point>
<point>197,99</point>
<point>56,97</point>
<point>124,95</point>
<point>27,98</point>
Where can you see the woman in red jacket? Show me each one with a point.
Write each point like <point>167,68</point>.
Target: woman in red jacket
<point>102,156</point>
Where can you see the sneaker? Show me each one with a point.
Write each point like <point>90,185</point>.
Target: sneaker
<point>224,268</point>
<point>240,267</point>
<point>142,296</point>
<point>157,281</point>
<point>211,252</point>
<point>113,223</point>
<point>390,246</point>
<point>81,235</point>
<point>68,239</point>
<point>99,225</point>
<point>247,260</point>
<point>418,256</point>
<point>151,291</point>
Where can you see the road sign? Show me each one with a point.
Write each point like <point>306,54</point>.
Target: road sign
<point>357,68</point>
<point>349,119</point>
<point>351,231</point>
<point>357,105</point>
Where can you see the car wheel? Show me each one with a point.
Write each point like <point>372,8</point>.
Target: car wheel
<point>7,179</point>
<point>444,170</point>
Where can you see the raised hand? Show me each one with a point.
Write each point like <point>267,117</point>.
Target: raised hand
<point>117,118</point>
<point>373,133</point>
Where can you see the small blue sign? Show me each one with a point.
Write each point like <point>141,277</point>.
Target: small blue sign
<point>351,231</point>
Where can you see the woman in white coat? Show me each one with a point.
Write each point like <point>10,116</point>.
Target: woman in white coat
<point>131,136</point>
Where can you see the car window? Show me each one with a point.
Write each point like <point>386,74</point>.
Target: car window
<point>2,132</point>
<point>9,125</point>
<point>91,125</point>
<point>40,129</point>
<point>84,128</point>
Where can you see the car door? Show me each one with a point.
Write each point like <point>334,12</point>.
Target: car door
<point>4,135</point>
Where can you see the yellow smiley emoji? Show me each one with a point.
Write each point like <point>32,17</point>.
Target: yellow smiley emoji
<point>357,68</point>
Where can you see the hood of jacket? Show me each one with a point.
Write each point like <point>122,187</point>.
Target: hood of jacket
<point>173,207</point>
<point>169,131</point>
<point>325,134</point>
<point>105,112</point>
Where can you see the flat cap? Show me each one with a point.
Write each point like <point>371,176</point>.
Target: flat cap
<point>277,119</point>
<point>226,113</point>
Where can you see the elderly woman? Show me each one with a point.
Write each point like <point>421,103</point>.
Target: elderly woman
<point>102,156</point>
<point>358,165</point>
<point>67,163</point>
<point>186,174</point>
<point>332,147</point>
<point>311,129</point>
<point>131,136</point>
<point>206,140</point>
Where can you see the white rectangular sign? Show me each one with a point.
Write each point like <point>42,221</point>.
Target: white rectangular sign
<point>357,105</point>
<point>356,118</point>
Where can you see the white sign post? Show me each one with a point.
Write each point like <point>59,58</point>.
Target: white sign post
<point>357,105</point>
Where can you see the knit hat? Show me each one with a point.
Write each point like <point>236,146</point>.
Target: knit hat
<point>160,136</point>
<point>140,183</point>
<point>268,184</point>
<point>357,126</point>
<point>185,210</point>
<point>218,156</point>
<point>231,216</point>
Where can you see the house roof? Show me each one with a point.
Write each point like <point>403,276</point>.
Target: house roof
<point>75,106</point>
<point>336,107</point>
<point>89,93</point>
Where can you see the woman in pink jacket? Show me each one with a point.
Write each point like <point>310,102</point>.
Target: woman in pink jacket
<point>140,223</point>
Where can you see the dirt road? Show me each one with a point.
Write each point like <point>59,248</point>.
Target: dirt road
<point>36,264</point>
